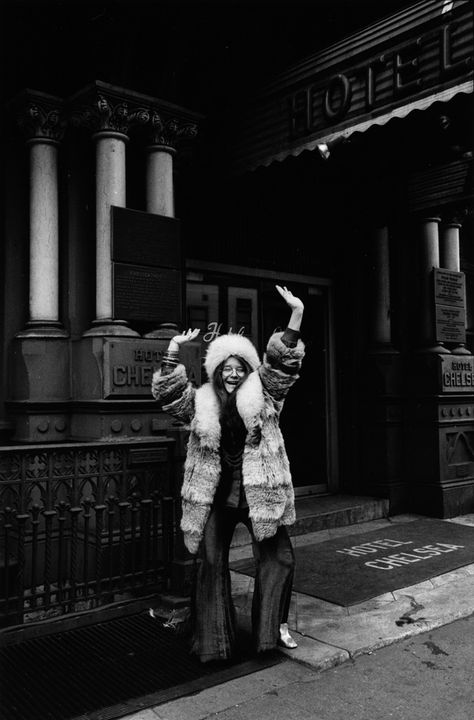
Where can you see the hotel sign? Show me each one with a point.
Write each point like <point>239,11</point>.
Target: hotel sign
<point>129,364</point>
<point>402,62</point>
<point>457,373</point>
<point>385,78</point>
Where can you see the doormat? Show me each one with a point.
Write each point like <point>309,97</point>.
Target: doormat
<point>109,670</point>
<point>354,568</point>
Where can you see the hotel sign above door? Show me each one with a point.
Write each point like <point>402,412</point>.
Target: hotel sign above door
<point>390,77</point>
<point>406,61</point>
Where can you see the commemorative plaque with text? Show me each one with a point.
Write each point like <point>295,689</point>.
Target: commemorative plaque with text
<point>141,238</point>
<point>146,267</point>
<point>450,310</point>
<point>151,294</point>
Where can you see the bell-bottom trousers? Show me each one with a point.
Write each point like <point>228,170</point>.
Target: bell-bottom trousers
<point>213,613</point>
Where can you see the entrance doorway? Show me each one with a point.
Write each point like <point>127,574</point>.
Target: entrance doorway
<point>217,302</point>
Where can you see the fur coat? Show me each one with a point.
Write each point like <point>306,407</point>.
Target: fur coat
<point>265,467</point>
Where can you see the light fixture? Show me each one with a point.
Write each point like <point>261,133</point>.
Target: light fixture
<point>324,151</point>
<point>326,148</point>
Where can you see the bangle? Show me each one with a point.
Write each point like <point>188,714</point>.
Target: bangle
<point>171,357</point>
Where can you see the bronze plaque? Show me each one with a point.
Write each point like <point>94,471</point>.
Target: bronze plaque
<point>457,373</point>
<point>142,238</point>
<point>129,364</point>
<point>150,294</point>
<point>450,324</point>
<point>449,287</point>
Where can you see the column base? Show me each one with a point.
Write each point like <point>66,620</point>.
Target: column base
<point>165,331</point>
<point>460,349</point>
<point>433,349</point>
<point>108,327</point>
<point>43,328</point>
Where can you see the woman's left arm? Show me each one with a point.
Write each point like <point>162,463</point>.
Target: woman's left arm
<point>296,306</point>
<point>285,351</point>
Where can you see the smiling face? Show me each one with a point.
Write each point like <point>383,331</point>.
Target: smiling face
<point>233,373</point>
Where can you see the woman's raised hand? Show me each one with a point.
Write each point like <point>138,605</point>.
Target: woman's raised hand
<point>291,300</point>
<point>186,336</point>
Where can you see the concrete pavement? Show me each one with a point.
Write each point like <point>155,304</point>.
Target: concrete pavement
<point>425,677</point>
<point>328,634</point>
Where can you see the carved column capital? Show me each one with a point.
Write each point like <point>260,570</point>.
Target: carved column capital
<point>40,116</point>
<point>455,216</point>
<point>100,113</point>
<point>101,107</point>
<point>170,131</point>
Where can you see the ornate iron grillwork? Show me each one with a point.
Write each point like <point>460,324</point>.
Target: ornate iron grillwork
<point>83,525</point>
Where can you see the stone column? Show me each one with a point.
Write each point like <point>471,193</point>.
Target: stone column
<point>110,190</point>
<point>380,379</point>
<point>159,180</point>
<point>449,246</point>
<point>103,111</point>
<point>380,330</point>
<point>429,259</point>
<point>39,363</point>
<point>166,135</point>
<point>40,118</point>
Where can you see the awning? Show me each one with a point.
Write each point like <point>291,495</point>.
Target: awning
<point>399,112</point>
<point>403,63</point>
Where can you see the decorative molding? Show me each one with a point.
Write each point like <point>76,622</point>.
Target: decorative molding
<point>102,114</point>
<point>453,442</point>
<point>170,131</point>
<point>101,107</point>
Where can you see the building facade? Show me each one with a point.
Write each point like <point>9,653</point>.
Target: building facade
<point>126,216</point>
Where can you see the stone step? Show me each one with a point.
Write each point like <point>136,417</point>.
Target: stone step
<point>321,512</point>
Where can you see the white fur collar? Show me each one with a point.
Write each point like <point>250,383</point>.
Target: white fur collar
<point>250,403</point>
<point>206,417</point>
<point>250,400</point>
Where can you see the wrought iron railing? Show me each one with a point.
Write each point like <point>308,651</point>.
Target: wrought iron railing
<point>83,525</point>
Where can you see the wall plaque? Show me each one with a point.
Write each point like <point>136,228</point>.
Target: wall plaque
<point>449,287</point>
<point>457,373</point>
<point>146,293</point>
<point>142,238</point>
<point>129,364</point>
<point>450,305</point>
<point>450,324</point>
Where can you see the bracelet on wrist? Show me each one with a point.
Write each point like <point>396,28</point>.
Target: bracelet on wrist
<point>171,357</point>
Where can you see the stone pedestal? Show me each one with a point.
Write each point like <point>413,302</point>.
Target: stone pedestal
<point>112,387</point>
<point>39,389</point>
<point>439,436</point>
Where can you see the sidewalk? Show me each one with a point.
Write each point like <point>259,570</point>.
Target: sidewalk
<point>329,634</point>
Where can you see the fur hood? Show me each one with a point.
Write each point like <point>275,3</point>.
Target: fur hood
<point>226,345</point>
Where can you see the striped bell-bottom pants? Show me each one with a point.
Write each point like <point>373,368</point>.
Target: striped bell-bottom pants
<point>213,613</point>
